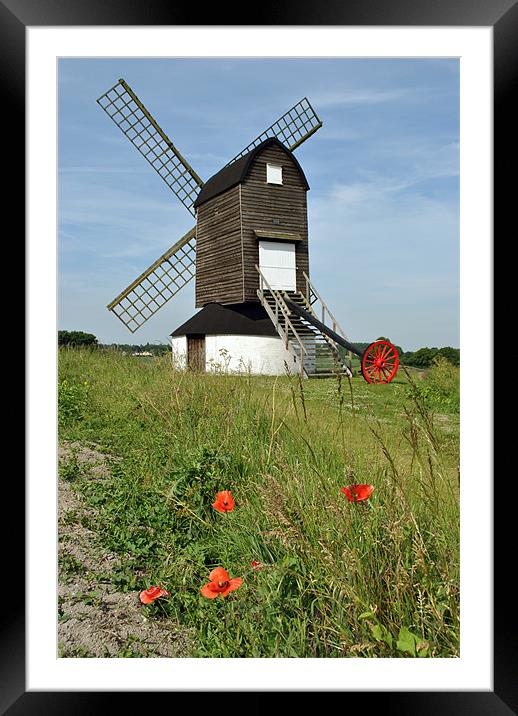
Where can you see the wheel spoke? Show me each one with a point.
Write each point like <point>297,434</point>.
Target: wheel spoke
<point>372,374</point>
<point>380,362</point>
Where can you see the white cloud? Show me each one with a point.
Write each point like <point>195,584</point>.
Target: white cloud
<point>425,163</point>
<point>337,98</point>
<point>387,261</point>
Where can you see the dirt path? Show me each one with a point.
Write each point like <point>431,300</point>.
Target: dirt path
<point>94,619</point>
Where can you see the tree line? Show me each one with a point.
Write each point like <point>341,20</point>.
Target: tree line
<point>76,339</point>
<point>157,349</point>
<point>421,358</point>
<point>424,357</point>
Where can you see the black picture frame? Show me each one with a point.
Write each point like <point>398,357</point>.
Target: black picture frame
<point>15,17</point>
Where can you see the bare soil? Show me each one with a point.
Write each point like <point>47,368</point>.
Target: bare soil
<point>94,619</point>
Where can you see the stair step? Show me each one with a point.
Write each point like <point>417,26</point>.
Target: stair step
<point>320,357</point>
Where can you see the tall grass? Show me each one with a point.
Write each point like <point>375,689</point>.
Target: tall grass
<point>375,579</point>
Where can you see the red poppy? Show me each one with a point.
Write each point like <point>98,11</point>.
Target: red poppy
<point>220,584</point>
<point>149,595</point>
<point>224,502</point>
<point>357,493</point>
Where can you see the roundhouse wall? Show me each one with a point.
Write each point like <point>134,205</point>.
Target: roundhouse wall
<point>259,355</point>
<point>179,352</point>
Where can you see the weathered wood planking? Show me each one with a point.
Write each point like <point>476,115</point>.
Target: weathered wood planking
<point>219,271</point>
<point>262,203</point>
<point>227,249</point>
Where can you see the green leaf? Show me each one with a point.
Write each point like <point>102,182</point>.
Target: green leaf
<point>381,633</point>
<point>387,637</point>
<point>376,632</point>
<point>366,615</point>
<point>406,641</point>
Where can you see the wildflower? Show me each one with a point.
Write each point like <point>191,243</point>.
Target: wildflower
<point>224,502</point>
<point>256,566</point>
<point>220,584</point>
<point>357,493</point>
<point>149,595</point>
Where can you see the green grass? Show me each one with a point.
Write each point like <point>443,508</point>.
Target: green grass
<point>376,579</point>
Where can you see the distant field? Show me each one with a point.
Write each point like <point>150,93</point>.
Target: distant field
<point>378,578</point>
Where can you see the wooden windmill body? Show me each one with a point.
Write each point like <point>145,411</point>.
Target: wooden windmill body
<point>254,202</point>
<point>247,253</point>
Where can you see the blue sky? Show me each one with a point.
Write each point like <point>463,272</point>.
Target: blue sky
<point>383,205</point>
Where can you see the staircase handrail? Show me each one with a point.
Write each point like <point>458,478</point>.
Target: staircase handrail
<point>325,307</point>
<point>283,307</point>
<point>336,326</point>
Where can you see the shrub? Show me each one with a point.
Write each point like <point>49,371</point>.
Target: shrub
<point>76,338</point>
<point>440,389</point>
<point>424,357</point>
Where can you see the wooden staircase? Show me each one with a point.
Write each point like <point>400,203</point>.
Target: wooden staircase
<point>317,354</point>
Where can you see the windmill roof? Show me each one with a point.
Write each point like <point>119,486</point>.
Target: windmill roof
<point>236,173</point>
<point>249,319</point>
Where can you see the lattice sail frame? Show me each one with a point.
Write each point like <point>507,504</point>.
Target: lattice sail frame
<point>293,128</point>
<point>125,109</point>
<point>157,285</point>
<point>164,278</point>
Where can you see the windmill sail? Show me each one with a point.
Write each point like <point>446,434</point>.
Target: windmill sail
<point>157,285</point>
<point>123,106</point>
<point>293,128</point>
<point>176,267</point>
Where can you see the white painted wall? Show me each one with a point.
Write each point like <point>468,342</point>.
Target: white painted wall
<point>179,350</point>
<point>262,355</point>
<point>259,355</point>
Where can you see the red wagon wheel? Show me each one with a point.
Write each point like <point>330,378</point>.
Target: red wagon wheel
<point>380,362</point>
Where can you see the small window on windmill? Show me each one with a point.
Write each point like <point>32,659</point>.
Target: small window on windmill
<point>273,174</point>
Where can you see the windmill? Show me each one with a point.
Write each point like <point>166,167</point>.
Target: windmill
<point>248,253</point>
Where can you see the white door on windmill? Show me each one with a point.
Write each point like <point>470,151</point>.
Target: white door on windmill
<point>277,264</point>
